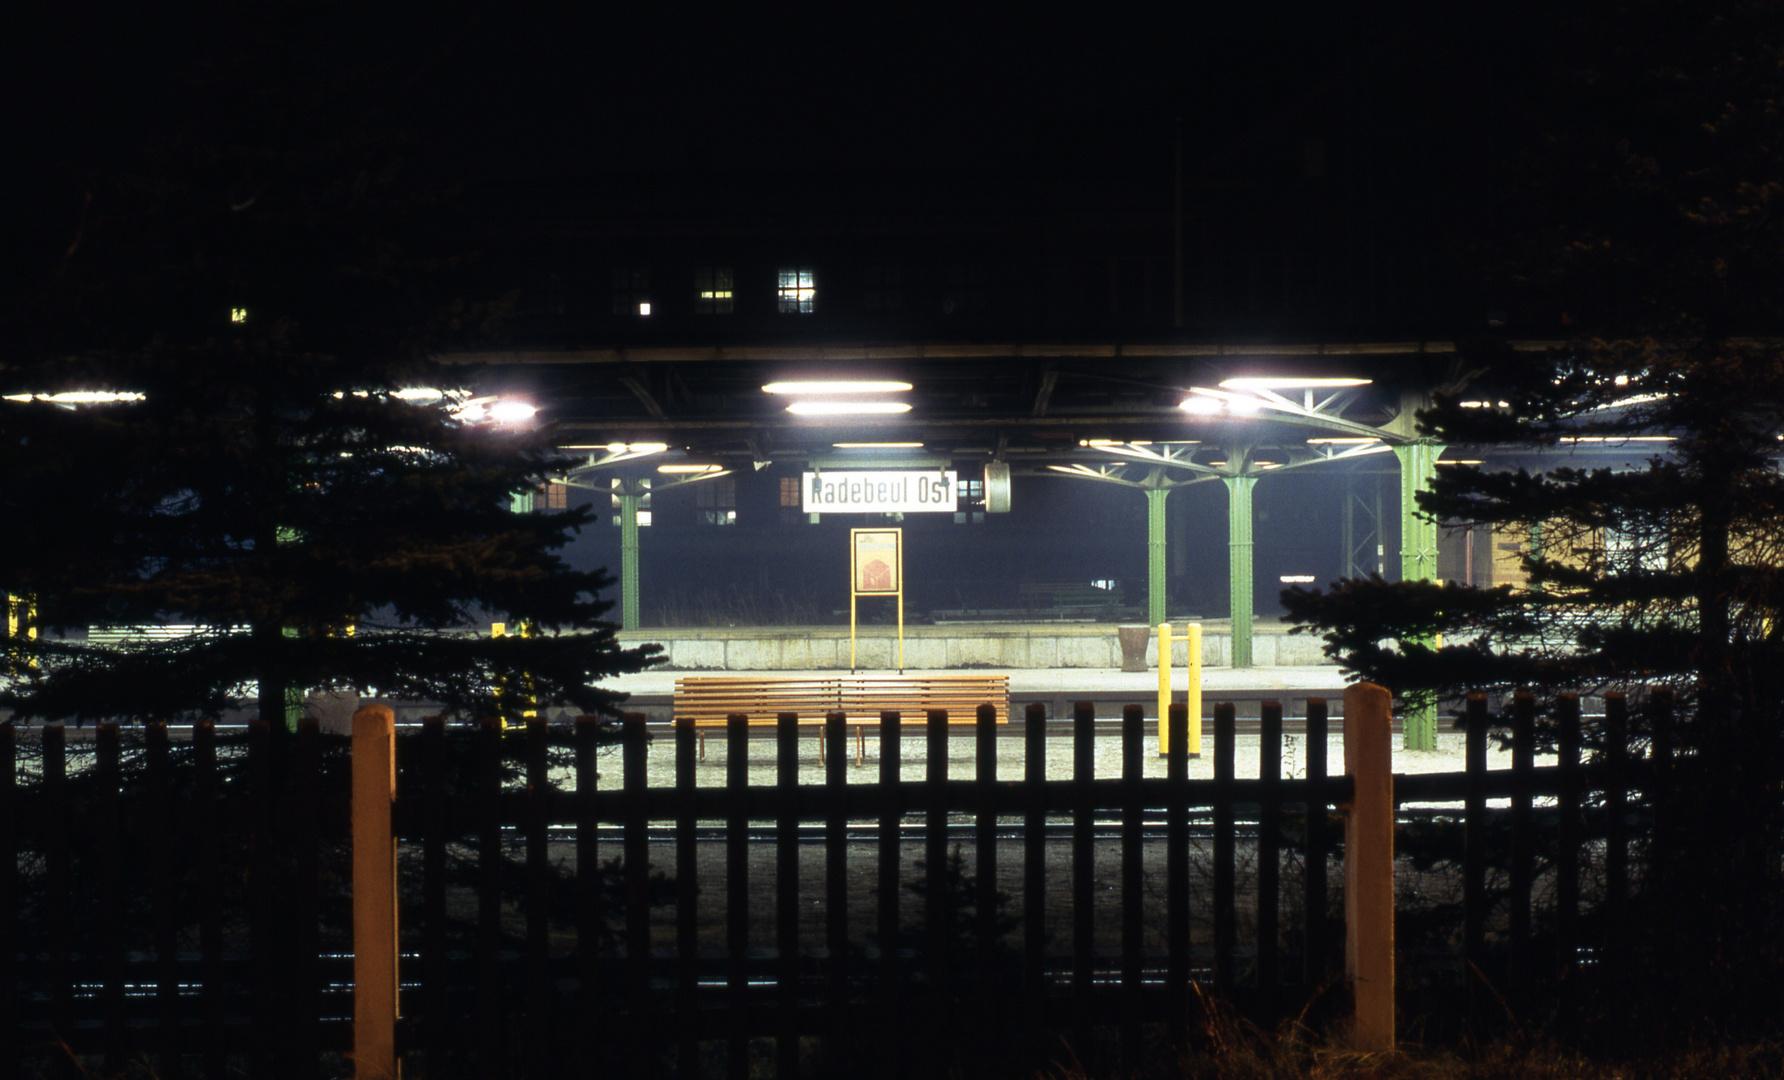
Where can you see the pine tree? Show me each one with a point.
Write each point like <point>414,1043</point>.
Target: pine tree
<point>268,269</point>
<point>1651,218</point>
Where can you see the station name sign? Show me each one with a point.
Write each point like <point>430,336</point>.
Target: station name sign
<point>929,491</point>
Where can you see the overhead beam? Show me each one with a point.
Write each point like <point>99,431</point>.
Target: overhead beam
<point>843,353</point>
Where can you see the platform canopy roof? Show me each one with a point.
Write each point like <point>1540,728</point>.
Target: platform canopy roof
<point>1029,404</point>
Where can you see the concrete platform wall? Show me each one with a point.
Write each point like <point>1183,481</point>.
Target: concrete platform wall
<point>1002,645</point>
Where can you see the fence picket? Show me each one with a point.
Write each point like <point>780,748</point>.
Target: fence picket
<point>1318,848</point>
<point>264,941</point>
<point>892,808</point>
<point>163,898</point>
<point>11,937</point>
<point>538,900</point>
<point>786,891</point>
<point>1083,845</point>
<point>207,811</point>
<point>985,846</point>
<point>492,1017</point>
<point>592,1042</point>
<point>1567,834</point>
<point>1616,820</point>
<point>1474,842</point>
<point>687,898</point>
<point>1225,883</point>
<point>1034,843</point>
<point>302,917</point>
<point>640,1031</point>
<point>1177,859</point>
<point>836,887</point>
<point>1269,850</point>
<point>53,826</point>
<point>1132,879</point>
<point>436,1026</point>
<point>737,893</point>
<point>109,881</point>
<point>1523,837</point>
<point>937,893</point>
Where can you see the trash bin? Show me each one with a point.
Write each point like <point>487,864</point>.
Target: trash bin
<point>1133,646</point>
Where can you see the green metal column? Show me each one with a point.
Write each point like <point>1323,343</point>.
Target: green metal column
<point>629,498</point>
<point>1239,584</point>
<point>1155,555</point>
<point>1418,562</point>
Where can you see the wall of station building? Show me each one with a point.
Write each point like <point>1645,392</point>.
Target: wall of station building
<point>739,551</point>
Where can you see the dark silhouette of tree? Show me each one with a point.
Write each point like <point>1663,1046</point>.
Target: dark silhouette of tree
<point>271,261</point>
<point>1650,215</point>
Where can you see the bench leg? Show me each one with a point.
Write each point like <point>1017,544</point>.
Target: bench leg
<point>821,743</point>
<point>860,745</point>
<point>702,742</point>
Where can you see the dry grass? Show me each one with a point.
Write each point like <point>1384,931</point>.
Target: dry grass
<point>1219,1045</point>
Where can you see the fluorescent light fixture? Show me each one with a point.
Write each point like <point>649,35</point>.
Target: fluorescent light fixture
<point>1297,579</point>
<point>877,445</point>
<point>1342,442</point>
<point>1461,461</point>
<point>511,412</point>
<point>1114,442</point>
<point>419,393</point>
<point>847,408</point>
<point>689,468</point>
<point>1289,382</point>
<point>1201,406</point>
<point>627,448</point>
<point>1617,438</point>
<point>1244,406</point>
<point>80,397</point>
<point>836,386</point>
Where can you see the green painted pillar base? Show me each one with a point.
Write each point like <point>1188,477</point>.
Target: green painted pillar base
<point>1155,555</point>
<point>628,558</point>
<point>1418,562</point>
<point>1420,727</point>
<point>1239,578</point>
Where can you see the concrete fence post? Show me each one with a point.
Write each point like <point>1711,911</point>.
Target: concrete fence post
<point>1369,865</point>
<point>374,895</point>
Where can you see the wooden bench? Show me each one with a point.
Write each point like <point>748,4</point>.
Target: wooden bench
<point>709,700</point>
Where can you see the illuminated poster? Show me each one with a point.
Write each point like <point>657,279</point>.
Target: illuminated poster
<point>876,560</point>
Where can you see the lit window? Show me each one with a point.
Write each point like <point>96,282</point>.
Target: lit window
<point>643,503</point>
<point>882,287</point>
<point>789,491</point>
<point>798,290</point>
<point>712,290</point>
<point>238,314</point>
<point>972,493</point>
<point>631,291</point>
<point>717,500</point>
<point>556,496</point>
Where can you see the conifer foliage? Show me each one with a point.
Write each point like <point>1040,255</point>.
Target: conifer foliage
<point>268,267</point>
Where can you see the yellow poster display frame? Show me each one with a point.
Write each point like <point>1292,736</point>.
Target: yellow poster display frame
<point>874,541</point>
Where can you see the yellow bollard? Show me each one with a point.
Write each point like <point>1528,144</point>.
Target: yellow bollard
<point>1192,638</point>
<point>1192,669</point>
<point>1164,688</point>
